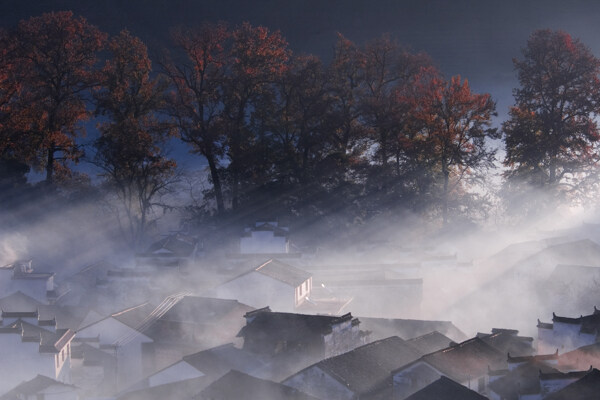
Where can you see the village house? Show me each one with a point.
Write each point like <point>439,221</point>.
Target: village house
<point>358,374</point>
<point>20,276</point>
<point>566,334</point>
<point>300,335</point>
<point>275,345</point>
<point>508,341</point>
<point>273,283</point>
<point>193,323</point>
<point>466,363</point>
<point>121,335</point>
<point>521,377</point>
<point>551,382</point>
<point>42,388</point>
<point>93,370</point>
<point>176,251</point>
<point>265,237</point>
<point>211,363</point>
<point>30,349</point>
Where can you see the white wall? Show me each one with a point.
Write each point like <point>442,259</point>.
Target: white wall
<point>263,242</point>
<point>22,361</point>
<point>564,337</point>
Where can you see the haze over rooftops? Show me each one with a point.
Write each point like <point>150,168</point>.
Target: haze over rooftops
<point>178,245</point>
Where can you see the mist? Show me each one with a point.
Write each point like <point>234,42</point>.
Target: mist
<point>235,206</point>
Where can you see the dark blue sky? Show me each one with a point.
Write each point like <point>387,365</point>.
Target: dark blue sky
<point>474,38</point>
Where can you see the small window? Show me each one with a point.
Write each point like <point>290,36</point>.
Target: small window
<point>57,361</point>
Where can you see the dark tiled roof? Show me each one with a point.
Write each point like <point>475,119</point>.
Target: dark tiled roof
<point>368,367</point>
<point>544,325</point>
<point>64,316</point>
<point>466,360</point>
<point>523,379</point>
<point>430,342</point>
<point>31,387</point>
<point>290,326</point>
<point>445,389</point>
<point>236,385</point>
<point>538,357</point>
<point>177,245</point>
<point>507,341</point>
<point>200,310</point>
<point>589,323</point>
<point>219,360</point>
<point>283,272</point>
<point>409,328</point>
<point>586,388</point>
<point>563,375</point>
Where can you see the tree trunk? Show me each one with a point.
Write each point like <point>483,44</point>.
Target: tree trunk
<point>445,194</point>
<point>50,165</point>
<point>216,184</point>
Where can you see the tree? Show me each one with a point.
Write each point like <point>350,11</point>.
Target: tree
<point>57,58</point>
<point>258,58</point>
<point>130,147</point>
<point>551,135</point>
<point>389,73</point>
<point>196,100</point>
<point>454,126</point>
<point>16,151</point>
<point>288,126</point>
